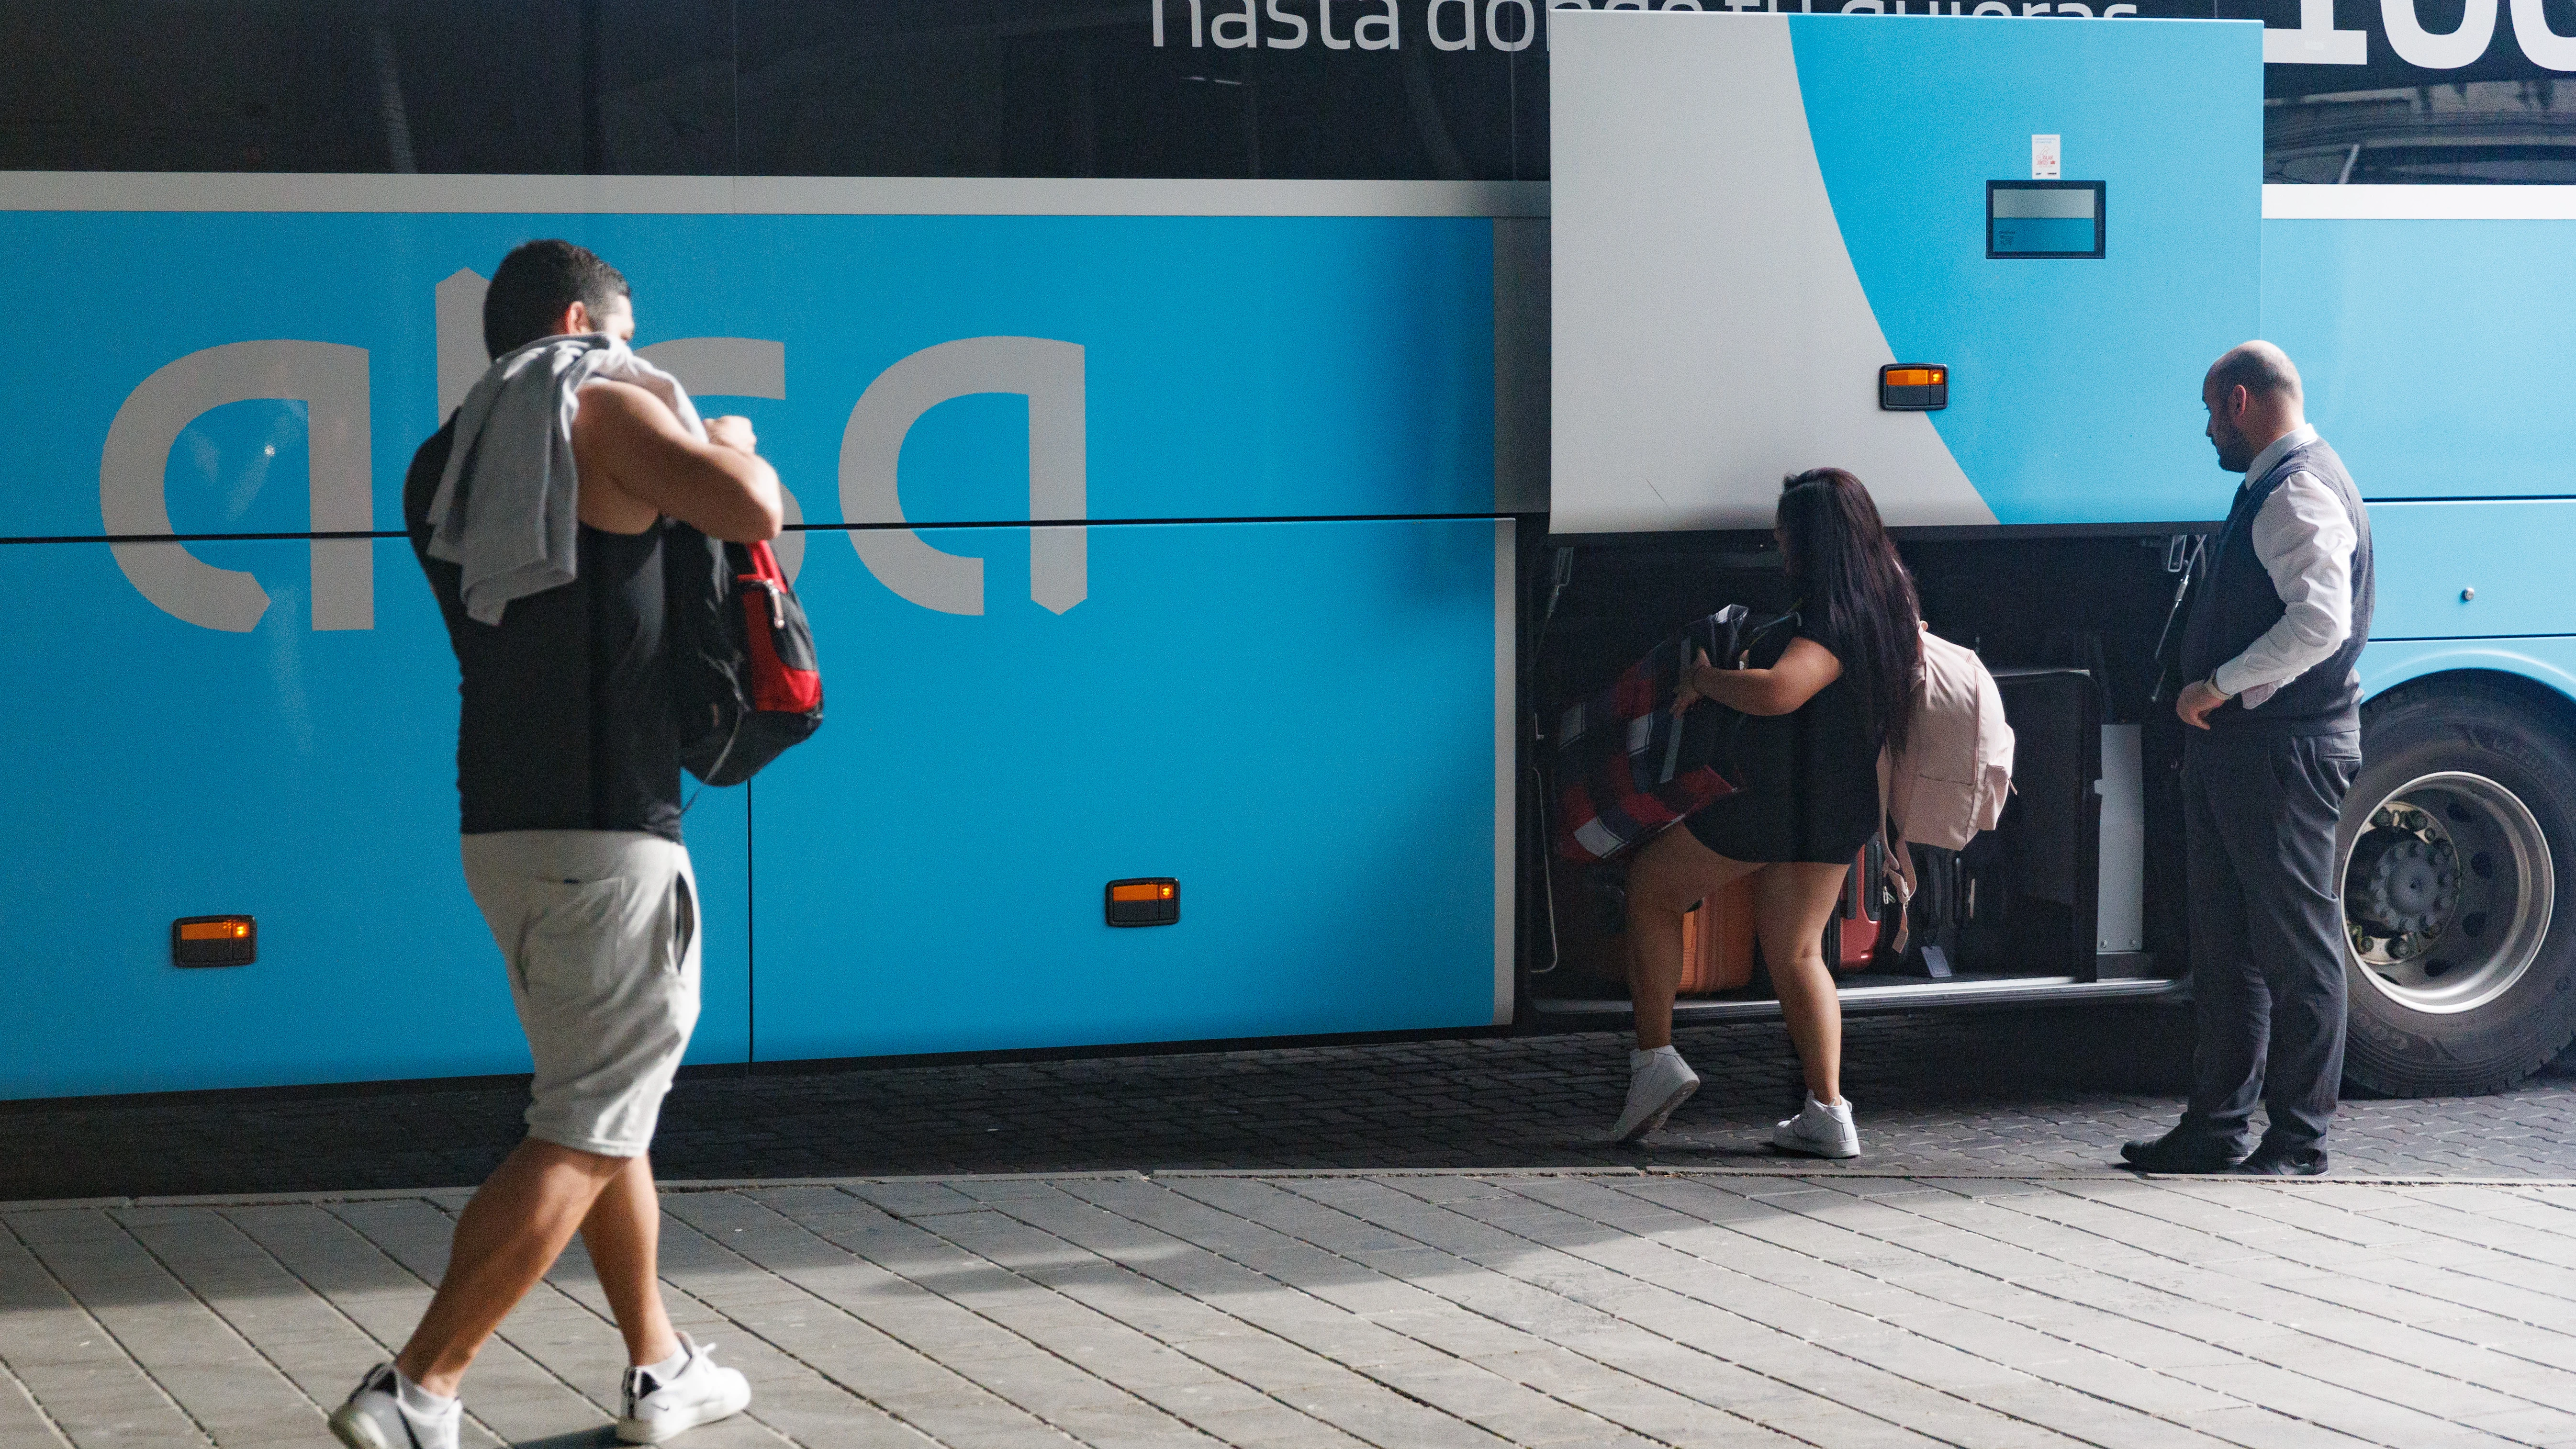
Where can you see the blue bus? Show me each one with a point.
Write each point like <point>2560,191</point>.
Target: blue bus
<point>1221,440</point>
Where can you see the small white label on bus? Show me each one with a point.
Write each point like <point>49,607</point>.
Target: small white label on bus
<point>2043,158</point>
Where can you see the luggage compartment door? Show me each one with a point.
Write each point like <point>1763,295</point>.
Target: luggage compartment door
<point>1754,214</point>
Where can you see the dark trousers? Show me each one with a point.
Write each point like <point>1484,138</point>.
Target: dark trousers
<point>2267,947</point>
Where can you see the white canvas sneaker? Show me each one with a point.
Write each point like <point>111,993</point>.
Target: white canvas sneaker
<point>702,1393</point>
<point>1658,1082</point>
<point>375,1418</point>
<point>1819,1130</point>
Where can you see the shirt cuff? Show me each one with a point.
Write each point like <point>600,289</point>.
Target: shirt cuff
<point>2227,678</point>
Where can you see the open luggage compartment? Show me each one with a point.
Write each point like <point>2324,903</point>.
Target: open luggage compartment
<point>2074,895</point>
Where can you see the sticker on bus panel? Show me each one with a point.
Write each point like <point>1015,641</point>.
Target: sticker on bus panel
<point>2044,219</point>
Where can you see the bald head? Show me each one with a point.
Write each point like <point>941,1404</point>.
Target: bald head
<point>2258,367</point>
<point>2253,397</point>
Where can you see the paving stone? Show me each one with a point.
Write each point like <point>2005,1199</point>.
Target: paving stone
<point>874,1335</point>
<point>87,1389</point>
<point>2262,1428</point>
<point>299,1333</point>
<point>21,1422</point>
<point>228,1392</point>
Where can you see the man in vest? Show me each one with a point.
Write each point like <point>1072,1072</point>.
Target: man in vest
<point>2279,610</point>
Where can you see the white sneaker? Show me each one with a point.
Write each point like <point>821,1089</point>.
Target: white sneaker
<point>375,1417</point>
<point>1658,1082</point>
<point>1819,1130</point>
<point>702,1393</point>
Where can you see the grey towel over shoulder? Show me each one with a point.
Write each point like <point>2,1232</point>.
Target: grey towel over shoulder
<point>507,510</point>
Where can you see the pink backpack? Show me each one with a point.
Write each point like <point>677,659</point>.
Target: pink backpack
<point>1956,770</point>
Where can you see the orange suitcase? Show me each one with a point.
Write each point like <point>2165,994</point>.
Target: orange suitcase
<point>1717,944</point>
<point>1717,941</point>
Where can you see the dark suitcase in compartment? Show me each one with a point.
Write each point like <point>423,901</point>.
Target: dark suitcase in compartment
<point>1932,917</point>
<point>2034,878</point>
<point>1960,917</point>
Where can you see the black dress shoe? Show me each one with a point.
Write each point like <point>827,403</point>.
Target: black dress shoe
<point>2270,1161</point>
<point>2180,1151</point>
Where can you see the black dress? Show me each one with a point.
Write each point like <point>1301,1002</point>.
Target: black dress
<point>1810,782</point>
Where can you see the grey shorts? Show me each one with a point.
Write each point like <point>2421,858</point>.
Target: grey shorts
<point>599,929</point>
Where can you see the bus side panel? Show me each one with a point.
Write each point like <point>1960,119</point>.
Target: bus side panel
<point>2447,570</point>
<point>2435,353</point>
<point>1306,724</point>
<point>302,776</point>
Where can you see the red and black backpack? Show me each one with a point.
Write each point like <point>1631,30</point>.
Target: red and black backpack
<point>743,677</point>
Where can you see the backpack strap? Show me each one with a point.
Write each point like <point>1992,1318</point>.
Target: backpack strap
<point>1900,861</point>
<point>1891,833</point>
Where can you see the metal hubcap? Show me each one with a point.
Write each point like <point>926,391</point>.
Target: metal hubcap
<point>2447,892</point>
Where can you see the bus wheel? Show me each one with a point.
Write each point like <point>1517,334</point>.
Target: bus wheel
<point>2463,969</point>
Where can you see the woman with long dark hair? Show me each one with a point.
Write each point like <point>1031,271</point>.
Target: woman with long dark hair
<point>1841,688</point>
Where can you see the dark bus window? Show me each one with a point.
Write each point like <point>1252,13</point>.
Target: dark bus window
<point>2423,113</point>
<point>1076,88</point>
<point>2497,132</point>
<point>770,87</point>
<point>637,86</point>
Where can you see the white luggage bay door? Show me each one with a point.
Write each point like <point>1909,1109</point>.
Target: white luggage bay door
<point>1754,214</point>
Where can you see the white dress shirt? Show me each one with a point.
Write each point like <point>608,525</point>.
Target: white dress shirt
<point>2304,540</point>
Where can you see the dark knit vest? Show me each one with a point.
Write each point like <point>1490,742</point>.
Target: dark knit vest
<point>2233,604</point>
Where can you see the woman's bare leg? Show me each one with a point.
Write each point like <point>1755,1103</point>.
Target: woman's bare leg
<point>1672,874</point>
<point>1791,903</point>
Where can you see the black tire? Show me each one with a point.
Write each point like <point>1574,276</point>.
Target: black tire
<point>2496,768</point>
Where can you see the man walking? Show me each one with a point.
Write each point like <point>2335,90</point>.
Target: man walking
<point>2279,609</point>
<point>537,512</point>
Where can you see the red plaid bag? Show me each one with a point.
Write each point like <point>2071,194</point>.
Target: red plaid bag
<point>1627,766</point>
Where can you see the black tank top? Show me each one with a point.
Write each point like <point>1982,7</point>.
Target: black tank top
<point>567,721</point>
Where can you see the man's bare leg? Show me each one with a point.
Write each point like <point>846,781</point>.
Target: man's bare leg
<point>506,1239</point>
<point>624,1235</point>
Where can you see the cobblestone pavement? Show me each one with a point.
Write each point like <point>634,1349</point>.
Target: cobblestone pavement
<point>1597,1307</point>
<point>2018,1093</point>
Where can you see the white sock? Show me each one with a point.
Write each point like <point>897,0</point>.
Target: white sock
<point>668,1369</point>
<point>1838,1108</point>
<point>1638,1058</point>
<point>421,1401</point>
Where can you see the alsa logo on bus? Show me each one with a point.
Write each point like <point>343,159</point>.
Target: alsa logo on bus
<point>330,379</point>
